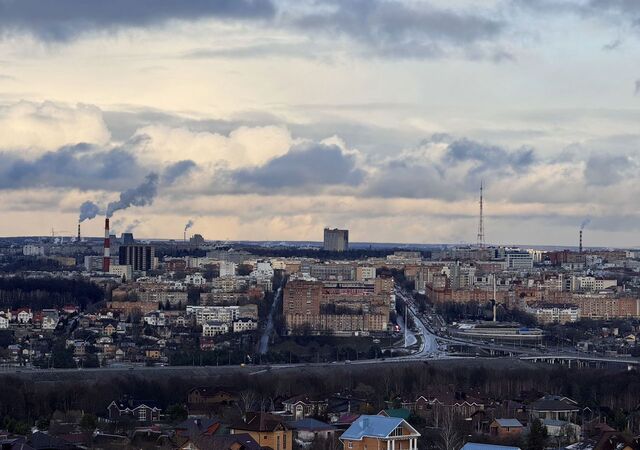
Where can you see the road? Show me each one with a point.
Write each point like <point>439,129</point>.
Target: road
<point>429,344</point>
<point>268,329</point>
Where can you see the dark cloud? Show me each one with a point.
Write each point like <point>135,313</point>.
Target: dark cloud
<point>64,19</point>
<point>303,166</point>
<point>488,157</point>
<point>397,29</point>
<point>607,170</point>
<point>177,170</point>
<point>81,166</point>
<point>454,174</point>
<point>613,45</point>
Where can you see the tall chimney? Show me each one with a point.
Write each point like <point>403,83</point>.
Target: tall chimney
<point>580,247</point>
<point>106,260</point>
<point>78,231</point>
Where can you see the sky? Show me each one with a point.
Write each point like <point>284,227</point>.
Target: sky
<point>271,119</point>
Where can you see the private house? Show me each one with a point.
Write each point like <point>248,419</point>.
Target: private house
<point>428,406</point>
<point>266,429</point>
<point>4,322</point>
<point>194,428</point>
<point>139,411</point>
<point>305,431</point>
<point>207,399</point>
<point>554,407</point>
<point>506,428</point>
<point>226,442</point>
<point>474,446</point>
<point>380,432</point>
<point>302,406</point>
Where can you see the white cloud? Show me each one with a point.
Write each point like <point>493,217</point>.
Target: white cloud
<point>244,146</point>
<point>36,127</point>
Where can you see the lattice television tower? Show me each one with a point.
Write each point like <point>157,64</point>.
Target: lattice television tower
<point>481,222</point>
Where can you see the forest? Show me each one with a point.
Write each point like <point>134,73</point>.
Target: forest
<point>39,293</point>
<point>611,395</point>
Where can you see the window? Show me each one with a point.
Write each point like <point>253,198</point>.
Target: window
<point>284,441</point>
<point>350,444</point>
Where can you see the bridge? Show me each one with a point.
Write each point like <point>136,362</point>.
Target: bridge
<point>576,360</point>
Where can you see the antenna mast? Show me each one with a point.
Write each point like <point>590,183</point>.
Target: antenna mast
<point>481,222</point>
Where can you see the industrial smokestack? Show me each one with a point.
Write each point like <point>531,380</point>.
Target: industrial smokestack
<point>580,246</point>
<point>78,231</point>
<point>106,260</point>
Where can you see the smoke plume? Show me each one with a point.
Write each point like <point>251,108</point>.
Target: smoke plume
<point>88,210</point>
<point>188,225</point>
<point>585,222</point>
<point>142,195</point>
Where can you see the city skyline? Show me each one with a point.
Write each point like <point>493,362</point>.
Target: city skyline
<point>268,120</point>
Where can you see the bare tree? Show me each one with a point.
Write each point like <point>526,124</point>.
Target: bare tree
<point>450,438</point>
<point>246,400</point>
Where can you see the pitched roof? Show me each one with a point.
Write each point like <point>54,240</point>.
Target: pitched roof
<point>194,427</point>
<point>401,413</point>
<point>206,442</point>
<point>372,426</point>
<point>259,421</point>
<point>554,403</point>
<point>310,425</point>
<point>509,423</point>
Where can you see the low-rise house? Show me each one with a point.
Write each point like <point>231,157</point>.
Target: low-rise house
<point>50,319</point>
<point>302,406</point>
<point>379,432</point>
<point>4,322</point>
<point>205,398</point>
<point>229,442</point>
<point>140,411</point>
<point>474,446</point>
<point>565,431</point>
<point>266,429</point>
<point>554,407</point>
<point>194,428</point>
<point>506,428</point>
<point>305,431</point>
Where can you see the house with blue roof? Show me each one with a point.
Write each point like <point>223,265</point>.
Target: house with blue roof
<point>380,433</point>
<point>474,446</point>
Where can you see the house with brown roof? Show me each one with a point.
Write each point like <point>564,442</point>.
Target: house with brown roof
<point>266,429</point>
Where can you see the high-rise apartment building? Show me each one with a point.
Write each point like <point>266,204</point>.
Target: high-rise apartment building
<point>141,257</point>
<point>336,240</point>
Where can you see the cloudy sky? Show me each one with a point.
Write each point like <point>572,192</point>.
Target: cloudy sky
<point>270,119</point>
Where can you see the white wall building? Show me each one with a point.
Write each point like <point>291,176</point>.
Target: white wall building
<point>33,250</point>
<point>195,279</point>
<point>241,325</point>
<point>227,268</point>
<point>121,271</point>
<point>50,319</point>
<point>210,329</point>
<point>519,260</point>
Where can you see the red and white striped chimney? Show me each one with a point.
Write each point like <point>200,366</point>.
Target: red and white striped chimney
<point>106,260</point>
